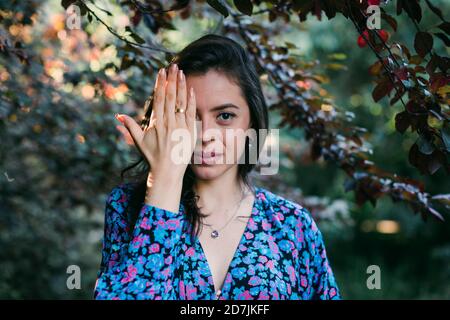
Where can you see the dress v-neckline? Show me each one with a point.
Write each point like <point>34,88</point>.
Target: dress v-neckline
<point>236,252</point>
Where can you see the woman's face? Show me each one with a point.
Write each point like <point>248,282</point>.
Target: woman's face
<point>220,108</point>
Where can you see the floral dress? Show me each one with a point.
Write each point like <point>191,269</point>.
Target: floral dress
<point>281,255</point>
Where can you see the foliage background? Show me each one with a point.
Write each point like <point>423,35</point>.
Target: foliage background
<point>60,144</point>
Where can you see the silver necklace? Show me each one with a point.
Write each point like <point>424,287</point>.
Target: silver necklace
<point>215,232</point>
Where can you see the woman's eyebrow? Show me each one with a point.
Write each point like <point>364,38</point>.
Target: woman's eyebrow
<point>224,106</point>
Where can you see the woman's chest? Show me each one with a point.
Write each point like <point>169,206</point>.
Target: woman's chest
<point>263,267</point>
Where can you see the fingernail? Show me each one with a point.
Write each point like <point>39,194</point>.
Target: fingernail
<point>181,75</point>
<point>119,117</point>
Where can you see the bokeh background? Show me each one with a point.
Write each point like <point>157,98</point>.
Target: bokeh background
<point>61,152</point>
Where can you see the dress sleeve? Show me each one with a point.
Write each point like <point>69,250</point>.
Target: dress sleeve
<point>115,228</point>
<point>318,272</point>
<point>143,261</point>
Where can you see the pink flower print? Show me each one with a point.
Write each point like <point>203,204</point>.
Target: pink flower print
<point>130,274</point>
<point>242,247</point>
<point>168,260</point>
<point>154,248</point>
<point>182,292</point>
<point>191,292</point>
<point>173,224</point>
<point>245,295</point>
<point>145,224</point>
<point>262,259</point>
<point>228,279</point>
<point>273,247</point>
<point>190,252</point>
<point>303,281</point>
<point>263,295</point>
<point>269,264</point>
<point>254,281</point>
<point>139,241</point>
<point>291,272</point>
<point>332,292</point>
<point>266,226</point>
<point>122,199</point>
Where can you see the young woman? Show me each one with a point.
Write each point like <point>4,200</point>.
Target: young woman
<point>200,229</point>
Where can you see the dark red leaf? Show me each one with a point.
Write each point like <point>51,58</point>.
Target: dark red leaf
<point>402,121</point>
<point>219,6</point>
<point>244,6</point>
<point>381,90</point>
<point>435,9</point>
<point>445,26</point>
<point>423,43</point>
<point>444,38</point>
<point>413,9</point>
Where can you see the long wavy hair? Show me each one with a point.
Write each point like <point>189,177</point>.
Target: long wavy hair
<point>210,52</point>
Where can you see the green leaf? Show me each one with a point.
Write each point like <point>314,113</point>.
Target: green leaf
<point>135,36</point>
<point>67,3</point>
<point>444,38</point>
<point>336,66</point>
<point>337,56</point>
<point>219,6</point>
<point>290,45</point>
<point>446,137</point>
<point>425,146</point>
<point>435,9</point>
<point>445,26</point>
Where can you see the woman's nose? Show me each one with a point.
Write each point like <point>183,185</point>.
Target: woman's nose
<point>209,131</point>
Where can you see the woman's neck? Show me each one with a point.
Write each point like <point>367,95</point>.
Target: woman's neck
<point>219,193</point>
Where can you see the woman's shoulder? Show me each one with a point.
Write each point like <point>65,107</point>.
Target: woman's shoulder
<point>287,208</point>
<point>119,196</point>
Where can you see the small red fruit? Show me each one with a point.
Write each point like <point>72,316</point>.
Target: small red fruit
<point>362,39</point>
<point>361,42</point>
<point>384,35</point>
<point>373,2</point>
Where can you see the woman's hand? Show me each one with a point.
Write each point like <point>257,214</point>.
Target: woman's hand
<point>157,142</point>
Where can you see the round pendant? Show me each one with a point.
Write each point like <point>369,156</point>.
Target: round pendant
<point>214,234</point>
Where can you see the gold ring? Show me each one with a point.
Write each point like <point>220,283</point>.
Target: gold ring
<point>179,110</point>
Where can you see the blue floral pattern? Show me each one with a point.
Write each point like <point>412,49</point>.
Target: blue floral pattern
<point>281,255</point>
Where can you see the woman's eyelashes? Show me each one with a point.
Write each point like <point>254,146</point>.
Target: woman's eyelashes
<point>226,116</point>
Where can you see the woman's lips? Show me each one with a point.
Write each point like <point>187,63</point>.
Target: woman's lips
<point>207,156</point>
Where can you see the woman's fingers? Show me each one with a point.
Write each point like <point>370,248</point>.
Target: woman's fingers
<point>159,96</point>
<point>191,112</point>
<point>181,99</point>
<point>133,128</point>
<point>191,108</point>
<point>126,134</point>
<point>171,96</point>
